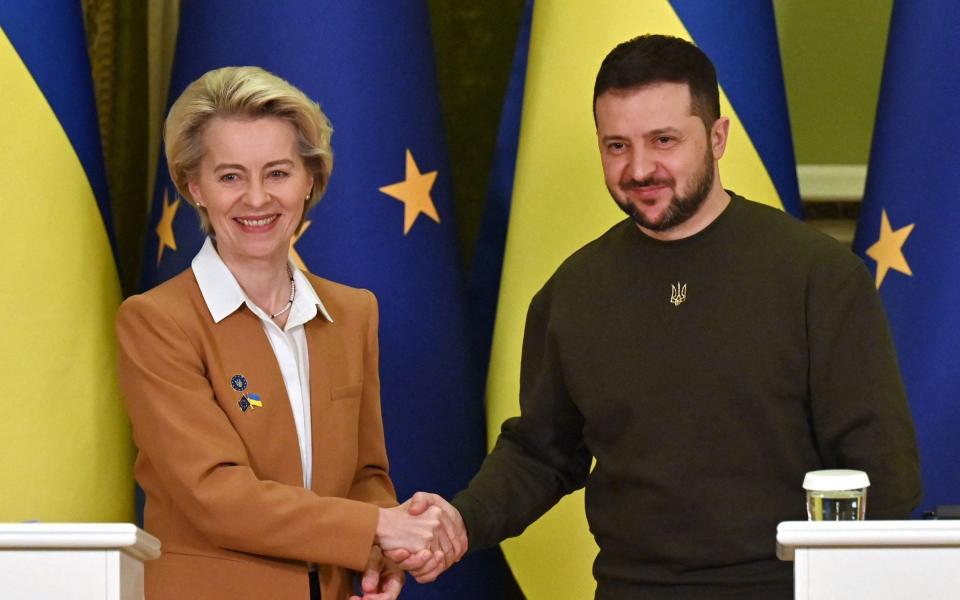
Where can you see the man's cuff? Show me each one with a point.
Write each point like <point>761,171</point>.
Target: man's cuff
<point>474,518</point>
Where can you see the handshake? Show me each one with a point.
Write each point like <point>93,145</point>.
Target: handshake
<point>424,536</point>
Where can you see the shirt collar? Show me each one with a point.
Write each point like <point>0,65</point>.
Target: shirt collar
<point>223,295</point>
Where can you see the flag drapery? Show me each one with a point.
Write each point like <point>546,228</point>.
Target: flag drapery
<point>67,454</point>
<point>484,278</point>
<point>386,222</point>
<point>907,227</point>
<point>559,201</point>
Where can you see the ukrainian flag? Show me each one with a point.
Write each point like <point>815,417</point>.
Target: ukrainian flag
<point>559,202</point>
<point>908,227</point>
<point>67,454</point>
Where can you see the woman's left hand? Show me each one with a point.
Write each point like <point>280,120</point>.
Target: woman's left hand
<point>382,580</point>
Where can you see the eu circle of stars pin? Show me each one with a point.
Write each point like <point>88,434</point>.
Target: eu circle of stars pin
<point>238,382</point>
<point>248,401</point>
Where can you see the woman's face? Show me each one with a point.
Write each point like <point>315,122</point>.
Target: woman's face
<point>253,184</point>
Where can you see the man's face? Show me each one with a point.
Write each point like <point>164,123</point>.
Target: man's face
<point>658,160</point>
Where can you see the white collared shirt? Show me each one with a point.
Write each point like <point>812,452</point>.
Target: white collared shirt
<point>223,295</point>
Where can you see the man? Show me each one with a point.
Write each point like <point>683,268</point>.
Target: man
<point>706,352</point>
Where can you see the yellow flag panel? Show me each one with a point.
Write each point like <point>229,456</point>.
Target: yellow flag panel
<point>64,436</point>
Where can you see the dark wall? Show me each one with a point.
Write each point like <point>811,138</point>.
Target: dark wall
<point>474,42</point>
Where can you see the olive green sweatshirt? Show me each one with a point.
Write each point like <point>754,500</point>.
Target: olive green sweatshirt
<point>704,376</point>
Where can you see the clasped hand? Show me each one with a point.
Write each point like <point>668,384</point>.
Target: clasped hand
<point>424,536</point>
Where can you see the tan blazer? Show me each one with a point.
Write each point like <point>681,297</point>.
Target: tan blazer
<point>224,487</point>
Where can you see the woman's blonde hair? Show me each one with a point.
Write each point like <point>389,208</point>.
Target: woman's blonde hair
<point>245,93</point>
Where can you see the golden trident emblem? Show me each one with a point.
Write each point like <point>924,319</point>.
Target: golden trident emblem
<point>678,293</point>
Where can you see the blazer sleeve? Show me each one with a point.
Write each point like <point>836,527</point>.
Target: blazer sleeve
<point>201,461</point>
<point>372,482</point>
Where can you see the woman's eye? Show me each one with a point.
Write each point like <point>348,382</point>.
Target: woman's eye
<point>229,177</point>
<point>277,174</point>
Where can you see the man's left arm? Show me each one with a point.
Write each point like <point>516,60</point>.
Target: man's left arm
<point>858,404</point>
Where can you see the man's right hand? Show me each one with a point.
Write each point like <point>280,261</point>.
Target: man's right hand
<point>399,529</point>
<point>454,543</point>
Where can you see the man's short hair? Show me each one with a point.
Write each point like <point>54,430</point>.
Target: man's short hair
<point>651,59</point>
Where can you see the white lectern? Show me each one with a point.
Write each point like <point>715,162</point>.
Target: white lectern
<point>80,561</point>
<point>879,560</point>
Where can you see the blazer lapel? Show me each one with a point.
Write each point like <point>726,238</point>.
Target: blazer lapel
<point>268,430</point>
<point>324,352</point>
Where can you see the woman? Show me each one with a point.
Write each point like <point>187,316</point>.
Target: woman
<point>252,387</point>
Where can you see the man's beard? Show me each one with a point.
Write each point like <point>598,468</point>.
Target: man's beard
<point>680,208</point>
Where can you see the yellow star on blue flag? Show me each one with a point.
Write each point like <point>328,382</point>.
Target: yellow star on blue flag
<point>414,192</point>
<point>166,238</point>
<point>888,250</point>
<point>294,255</point>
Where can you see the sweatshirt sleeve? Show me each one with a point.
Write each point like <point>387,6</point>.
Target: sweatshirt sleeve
<point>859,407</point>
<point>539,456</point>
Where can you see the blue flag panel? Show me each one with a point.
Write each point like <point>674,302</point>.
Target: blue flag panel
<point>746,54</point>
<point>908,226</point>
<point>372,71</point>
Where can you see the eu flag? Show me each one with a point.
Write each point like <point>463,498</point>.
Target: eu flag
<point>908,226</point>
<point>386,222</point>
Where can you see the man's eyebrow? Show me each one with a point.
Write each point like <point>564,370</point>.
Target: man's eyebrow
<point>662,130</point>
<point>652,133</point>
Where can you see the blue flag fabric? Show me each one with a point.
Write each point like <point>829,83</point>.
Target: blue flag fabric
<point>372,70</point>
<point>750,73</point>
<point>908,228</point>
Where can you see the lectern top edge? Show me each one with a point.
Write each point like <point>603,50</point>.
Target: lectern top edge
<point>792,535</point>
<point>122,536</point>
